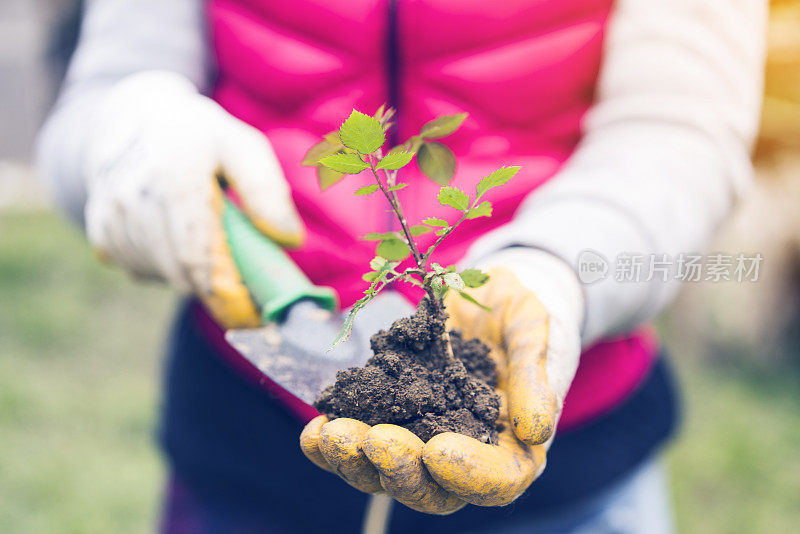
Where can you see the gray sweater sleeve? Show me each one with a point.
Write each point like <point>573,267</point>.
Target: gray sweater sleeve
<point>665,153</point>
<point>118,38</point>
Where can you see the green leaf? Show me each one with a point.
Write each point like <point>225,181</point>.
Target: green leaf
<point>453,280</point>
<point>433,221</point>
<point>389,266</point>
<point>498,177</point>
<point>377,263</point>
<point>398,187</point>
<point>437,162</point>
<point>439,287</point>
<point>370,276</point>
<point>442,231</point>
<point>362,133</point>
<point>419,229</point>
<point>453,197</point>
<point>347,326</point>
<point>393,249</point>
<point>474,277</point>
<point>319,151</point>
<point>471,299</point>
<point>484,209</point>
<point>438,269</point>
<point>411,280</point>
<point>413,144</point>
<point>399,149</point>
<point>346,163</point>
<point>366,190</point>
<point>333,138</point>
<point>395,161</point>
<point>327,177</point>
<point>442,126</point>
<point>384,115</point>
<point>372,236</point>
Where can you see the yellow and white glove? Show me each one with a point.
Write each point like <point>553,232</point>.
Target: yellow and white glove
<point>536,353</point>
<point>152,163</point>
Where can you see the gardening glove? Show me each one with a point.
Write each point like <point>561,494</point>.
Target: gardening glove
<point>156,155</point>
<point>536,354</point>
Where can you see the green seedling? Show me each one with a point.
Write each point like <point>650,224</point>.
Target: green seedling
<point>358,147</point>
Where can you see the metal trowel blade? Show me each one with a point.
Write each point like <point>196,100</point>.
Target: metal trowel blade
<point>294,353</point>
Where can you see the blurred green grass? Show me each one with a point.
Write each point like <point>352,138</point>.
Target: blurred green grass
<point>735,468</point>
<point>79,364</point>
<point>79,356</point>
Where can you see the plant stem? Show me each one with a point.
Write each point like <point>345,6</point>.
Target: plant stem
<point>444,235</point>
<point>439,240</point>
<point>420,259</point>
<point>448,347</point>
<point>391,196</point>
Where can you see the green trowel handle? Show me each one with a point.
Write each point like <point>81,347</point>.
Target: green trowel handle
<point>274,281</point>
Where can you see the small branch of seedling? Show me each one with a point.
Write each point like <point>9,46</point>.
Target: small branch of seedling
<point>356,147</point>
<point>390,193</point>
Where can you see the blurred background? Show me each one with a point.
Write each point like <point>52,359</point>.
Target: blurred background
<point>79,343</point>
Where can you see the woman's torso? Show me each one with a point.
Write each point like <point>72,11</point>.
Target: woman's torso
<point>524,70</point>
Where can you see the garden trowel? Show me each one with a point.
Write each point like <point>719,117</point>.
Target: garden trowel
<point>293,347</point>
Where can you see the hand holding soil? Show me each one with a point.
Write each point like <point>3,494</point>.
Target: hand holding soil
<point>451,469</point>
<point>442,436</point>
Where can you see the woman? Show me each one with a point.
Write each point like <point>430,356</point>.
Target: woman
<point>654,104</point>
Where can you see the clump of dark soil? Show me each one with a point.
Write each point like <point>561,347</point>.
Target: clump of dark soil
<point>410,381</point>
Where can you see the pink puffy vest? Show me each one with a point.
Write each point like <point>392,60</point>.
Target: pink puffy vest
<point>525,70</point>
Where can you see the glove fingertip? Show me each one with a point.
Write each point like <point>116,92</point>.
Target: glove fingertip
<point>534,419</point>
<point>535,431</point>
<point>340,445</point>
<point>310,440</point>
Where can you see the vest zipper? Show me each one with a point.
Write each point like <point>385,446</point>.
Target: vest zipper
<point>392,64</point>
<point>392,82</point>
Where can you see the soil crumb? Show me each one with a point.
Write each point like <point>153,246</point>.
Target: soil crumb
<point>410,382</point>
